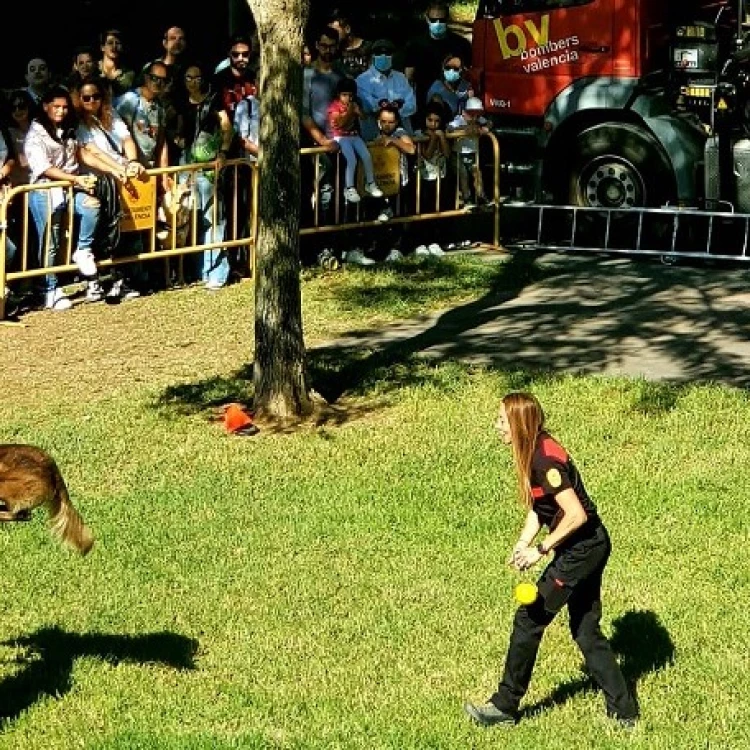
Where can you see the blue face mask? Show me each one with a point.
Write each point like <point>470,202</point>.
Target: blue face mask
<point>437,29</point>
<point>451,75</point>
<point>382,63</point>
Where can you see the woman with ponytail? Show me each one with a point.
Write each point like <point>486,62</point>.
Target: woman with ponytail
<point>554,496</point>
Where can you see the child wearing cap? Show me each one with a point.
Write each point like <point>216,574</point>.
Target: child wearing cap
<point>470,123</point>
<point>343,127</point>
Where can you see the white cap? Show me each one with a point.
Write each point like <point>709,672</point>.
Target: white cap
<point>473,104</point>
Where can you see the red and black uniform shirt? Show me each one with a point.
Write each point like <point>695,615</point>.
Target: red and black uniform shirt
<point>552,471</point>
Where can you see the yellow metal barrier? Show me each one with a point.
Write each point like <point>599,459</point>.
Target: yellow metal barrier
<point>180,237</point>
<point>177,238</point>
<point>339,223</point>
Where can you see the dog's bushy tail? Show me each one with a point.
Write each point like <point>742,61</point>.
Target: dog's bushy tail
<point>65,522</point>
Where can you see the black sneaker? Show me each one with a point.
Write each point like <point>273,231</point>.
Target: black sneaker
<point>488,714</point>
<point>627,723</point>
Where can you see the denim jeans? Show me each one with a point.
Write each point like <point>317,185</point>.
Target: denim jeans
<point>10,251</point>
<point>86,210</point>
<point>213,264</point>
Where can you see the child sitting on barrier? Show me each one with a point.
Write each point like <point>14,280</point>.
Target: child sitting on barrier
<point>343,127</point>
<point>471,123</point>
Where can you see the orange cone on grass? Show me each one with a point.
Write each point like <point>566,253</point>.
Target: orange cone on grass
<point>237,421</point>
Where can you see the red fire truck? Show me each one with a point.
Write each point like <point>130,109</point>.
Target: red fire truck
<point>619,104</point>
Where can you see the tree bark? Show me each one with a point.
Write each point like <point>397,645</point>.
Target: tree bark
<point>279,371</point>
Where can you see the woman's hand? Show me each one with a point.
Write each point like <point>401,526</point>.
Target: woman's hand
<point>518,547</point>
<point>86,182</point>
<point>134,169</point>
<point>526,558</point>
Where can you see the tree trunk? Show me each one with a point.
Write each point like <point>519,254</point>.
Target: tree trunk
<point>279,371</point>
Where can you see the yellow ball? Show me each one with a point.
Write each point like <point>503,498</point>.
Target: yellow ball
<point>525,593</point>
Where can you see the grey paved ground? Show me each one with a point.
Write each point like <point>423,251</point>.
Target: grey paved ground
<point>593,314</point>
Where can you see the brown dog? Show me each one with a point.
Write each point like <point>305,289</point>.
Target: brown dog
<point>29,477</point>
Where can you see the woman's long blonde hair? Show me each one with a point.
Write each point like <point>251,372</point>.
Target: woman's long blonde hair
<point>526,421</point>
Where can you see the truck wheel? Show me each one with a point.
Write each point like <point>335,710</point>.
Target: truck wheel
<point>617,166</point>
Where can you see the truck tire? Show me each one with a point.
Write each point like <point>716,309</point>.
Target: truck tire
<point>616,165</point>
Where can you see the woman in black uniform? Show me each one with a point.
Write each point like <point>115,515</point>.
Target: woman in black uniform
<point>552,490</point>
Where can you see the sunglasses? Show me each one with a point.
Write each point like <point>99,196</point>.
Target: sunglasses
<point>193,78</point>
<point>240,54</point>
<point>157,79</point>
<point>442,19</point>
<point>91,97</point>
<point>19,106</point>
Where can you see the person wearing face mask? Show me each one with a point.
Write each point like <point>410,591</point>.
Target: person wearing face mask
<point>424,55</point>
<point>451,90</point>
<point>380,86</point>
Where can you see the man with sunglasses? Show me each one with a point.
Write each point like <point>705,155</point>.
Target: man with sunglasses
<point>236,81</point>
<point>424,55</point>
<point>144,114</point>
<point>174,43</point>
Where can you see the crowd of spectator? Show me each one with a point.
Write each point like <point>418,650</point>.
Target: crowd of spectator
<point>108,119</point>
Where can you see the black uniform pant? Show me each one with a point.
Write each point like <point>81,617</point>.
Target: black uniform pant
<point>574,578</point>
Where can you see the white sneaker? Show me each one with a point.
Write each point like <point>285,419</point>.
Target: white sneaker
<point>57,300</point>
<point>351,195</point>
<point>84,259</point>
<point>394,256</point>
<point>372,189</point>
<point>422,250</point>
<point>358,258</point>
<point>435,249</point>
<point>94,291</point>
<point>386,214</point>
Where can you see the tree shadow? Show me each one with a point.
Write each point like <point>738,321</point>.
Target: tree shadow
<point>358,361</point>
<point>340,368</point>
<point>47,666</point>
<point>643,645</point>
<point>568,315</point>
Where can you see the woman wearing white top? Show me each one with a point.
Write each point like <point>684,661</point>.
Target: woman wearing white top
<point>104,135</point>
<point>55,155</point>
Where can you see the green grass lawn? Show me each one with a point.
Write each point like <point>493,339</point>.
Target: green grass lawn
<point>344,586</point>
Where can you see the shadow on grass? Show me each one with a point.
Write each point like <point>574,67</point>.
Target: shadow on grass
<point>47,666</point>
<point>672,327</point>
<point>357,368</point>
<point>643,645</point>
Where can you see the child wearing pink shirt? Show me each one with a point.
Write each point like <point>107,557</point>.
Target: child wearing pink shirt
<point>343,127</point>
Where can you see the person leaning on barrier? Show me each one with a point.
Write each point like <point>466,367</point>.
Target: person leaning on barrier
<point>103,134</point>
<point>432,166</point>
<point>392,136</point>
<point>54,154</point>
<point>471,123</point>
<point>146,117</point>
<point>207,136</point>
